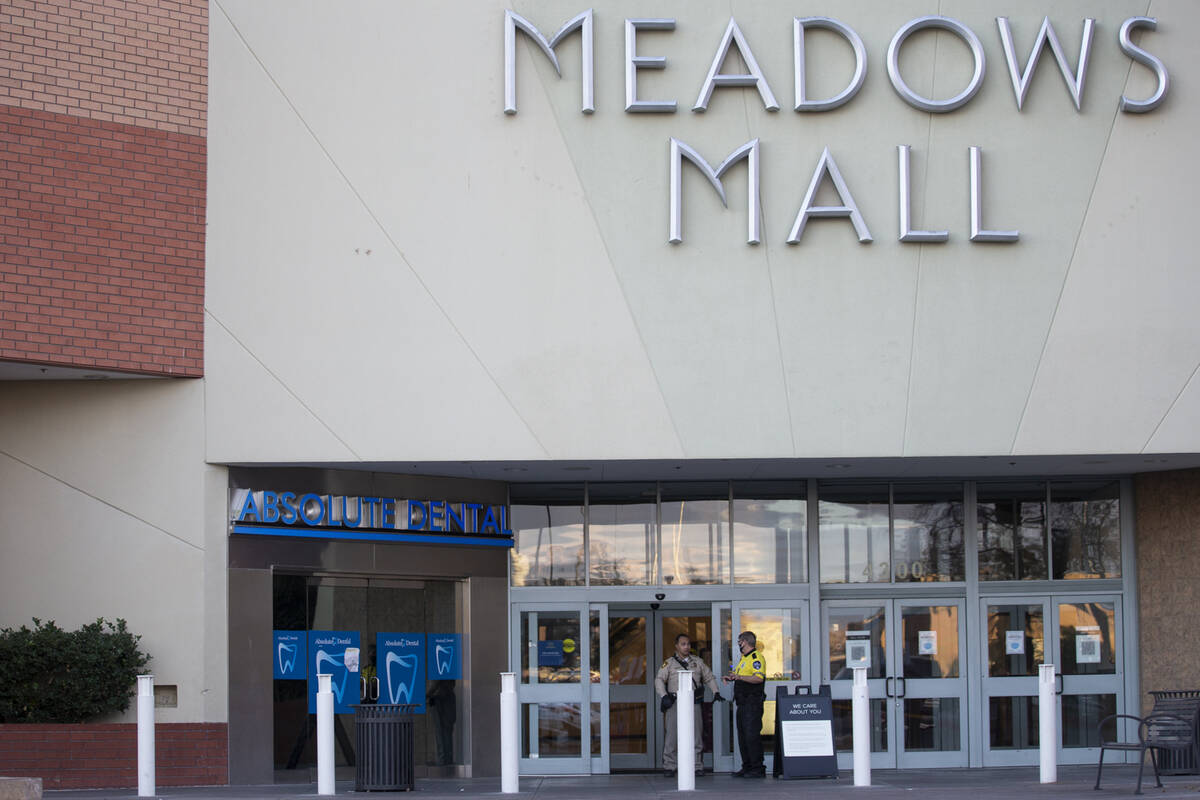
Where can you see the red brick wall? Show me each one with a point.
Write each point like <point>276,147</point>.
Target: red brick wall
<point>102,184</point>
<point>105,756</point>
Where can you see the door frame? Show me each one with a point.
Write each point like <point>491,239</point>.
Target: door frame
<point>1027,686</point>
<point>536,694</point>
<point>893,687</point>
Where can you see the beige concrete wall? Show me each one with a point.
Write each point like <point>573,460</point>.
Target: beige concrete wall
<point>109,510</point>
<point>1168,548</point>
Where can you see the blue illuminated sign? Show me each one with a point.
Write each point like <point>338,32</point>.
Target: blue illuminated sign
<point>334,653</point>
<point>288,655</point>
<point>400,665</point>
<point>445,656</point>
<point>326,516</point>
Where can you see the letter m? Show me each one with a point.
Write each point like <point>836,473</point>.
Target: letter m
<point>514,21</point>
<point>748,151</point>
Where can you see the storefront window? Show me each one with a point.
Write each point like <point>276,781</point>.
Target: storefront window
<point>547,523</point>
<point>854,534</point>
<point>927,533</point>
<point>1010,523</point>
<point>373,612</point>
<point>770,533</point>
<point>695,533</point>
<point>622,533</point>
<point>1085,530</point>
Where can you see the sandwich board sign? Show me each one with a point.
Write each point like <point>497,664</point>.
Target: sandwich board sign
<point>804,734</point>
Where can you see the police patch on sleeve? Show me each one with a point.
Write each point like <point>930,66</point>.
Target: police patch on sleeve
<point>758,665</point>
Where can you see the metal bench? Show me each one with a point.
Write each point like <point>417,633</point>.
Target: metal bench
<point>1156,732</point>
<point>1185,704</point>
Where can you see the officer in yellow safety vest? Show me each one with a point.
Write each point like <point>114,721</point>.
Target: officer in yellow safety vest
<point>748,677</point>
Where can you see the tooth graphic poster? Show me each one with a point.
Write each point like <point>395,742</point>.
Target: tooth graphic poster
<point>400,665</point>
<point>327,651</point>
<point>288,655</point>
<point>445,657</point>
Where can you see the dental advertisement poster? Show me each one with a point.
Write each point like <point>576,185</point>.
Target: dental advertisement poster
<point>288,653</point>
<point>334,653</point>
<point>400,666</point>
<point>445,657</point>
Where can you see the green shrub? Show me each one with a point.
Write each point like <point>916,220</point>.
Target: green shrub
<point>51,675</point>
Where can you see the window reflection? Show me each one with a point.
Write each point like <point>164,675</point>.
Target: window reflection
<point>547,523</point>
<point>1011,531</point>
<point>1085,530</point>
<point>1016,639</point>
<point>854,534</point>
<point>622,533</point>
<point>770,531</point>
<point>695,533</point>
<point>841,620</point>
<point>927,533</point>
<point>1087,641</point>
<point>778,633</point>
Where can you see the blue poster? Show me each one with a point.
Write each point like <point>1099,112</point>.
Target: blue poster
<point>550,653</point>
<point>334,653</point>
<point>445,657</point>
<point>288,655</point>
<point>400,665</point>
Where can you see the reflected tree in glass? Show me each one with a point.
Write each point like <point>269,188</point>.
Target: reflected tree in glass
<point>927,532</point>
<point>1085,530</point>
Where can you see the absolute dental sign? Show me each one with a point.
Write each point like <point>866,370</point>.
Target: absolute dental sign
<point>387,519</point>
<point>827,170</point>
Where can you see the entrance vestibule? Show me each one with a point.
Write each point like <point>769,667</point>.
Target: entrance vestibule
<point>942,576</point>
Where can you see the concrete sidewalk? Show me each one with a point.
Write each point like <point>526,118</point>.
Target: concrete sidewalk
<point>1075,783</point>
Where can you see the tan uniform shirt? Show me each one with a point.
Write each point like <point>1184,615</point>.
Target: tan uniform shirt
<point>667,680</point>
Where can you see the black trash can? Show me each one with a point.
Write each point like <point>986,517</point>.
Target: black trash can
<point>386,737</point>
<point>1184,703</point>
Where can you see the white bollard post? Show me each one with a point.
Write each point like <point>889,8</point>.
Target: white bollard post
<point>1048,723</point>
<point>145,734</point>
<point>509,734</point>
<point>685,721</point>
<point>860,710</point>
<point>325,765</point>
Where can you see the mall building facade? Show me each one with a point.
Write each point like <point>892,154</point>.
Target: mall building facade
<point>418,343</point>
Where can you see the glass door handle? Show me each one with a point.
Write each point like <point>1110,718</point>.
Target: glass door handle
<point>1061,683</point>
<point>887,686</point>
<point>901,687</point>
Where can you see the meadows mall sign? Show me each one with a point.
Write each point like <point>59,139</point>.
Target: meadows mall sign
<point>1021,68</point>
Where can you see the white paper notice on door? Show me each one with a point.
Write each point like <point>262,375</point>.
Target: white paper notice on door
<point>1087,648</point>
<point>1014,643</point>
<point>810,737</point>
<point>927,643</point>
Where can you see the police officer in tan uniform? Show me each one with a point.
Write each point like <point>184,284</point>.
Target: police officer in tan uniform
<point>666,684</point>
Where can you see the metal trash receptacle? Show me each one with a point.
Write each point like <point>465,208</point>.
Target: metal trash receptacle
<point>1185,703</point>
<point>386,736</point>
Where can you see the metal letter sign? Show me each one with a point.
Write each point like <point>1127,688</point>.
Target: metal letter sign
<point>334,653</point>
<point>289,655</point>
<point>400,665</point>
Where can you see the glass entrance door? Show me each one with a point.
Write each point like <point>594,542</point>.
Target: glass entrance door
<point>363,610</point>
<point>1080,636</point>
<point>630,644</point>
<point>554,674</point>
<point>916,679</point>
